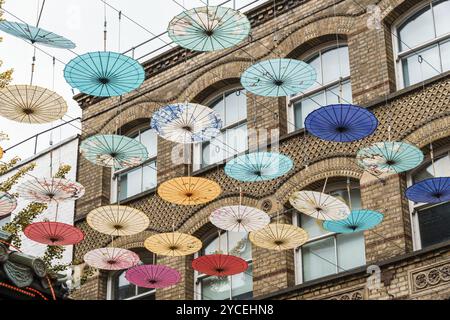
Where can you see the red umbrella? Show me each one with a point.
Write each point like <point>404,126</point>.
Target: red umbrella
<point>220,265</point>
<point>54,233</point>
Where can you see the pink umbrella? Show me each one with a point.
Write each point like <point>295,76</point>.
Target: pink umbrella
<point>111,258</point>
<point>54,233</point>
<point>153,276</point>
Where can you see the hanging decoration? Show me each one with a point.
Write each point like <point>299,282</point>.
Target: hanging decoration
<point>189,191</point>
<point>359,220</point>
<point>104,74</point>
<point>115,151</point>
<point>50,189</point>
<point>111,259</point>
<point>7,204</point>
<point>258,166</point>
<point>239,218</point>
<point>279,237</point>
<point>219,265</point>
<point>153,276</point>
<point>209,28</point>
<point>186,123</point>
<point>319,205</point>
<point>36,35</point>
<point>433,190</point>
<point>278,77</point>
<point>341,123</point>
<point>173,244</point>
<point>54,233</point>
<point>117,220</point>
<point>31,104</point>
<point>390,157</point>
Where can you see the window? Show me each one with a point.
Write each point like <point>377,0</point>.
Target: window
<point>423,43</point>
<point>232,108</point>
<point>333,81</point>
<point>237,287</point>
<point>431,222</point>
<point>136,180</point>
<point>328,253</point>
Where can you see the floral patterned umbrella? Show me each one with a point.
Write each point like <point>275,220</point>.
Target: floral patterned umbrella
<point>7,204</point>
<point>173,244</point>
<point>153,276</point>
<point>319,205</point>
<point>239,218</point>
<point>54,233</point>
<point>220,265</point>
<point>359,220</point>
<point>111,259</point>
<point>186,123</point>
<point>189,191</point>
<point>279,237</point>
<point>433,190</point>
<point>50,189</point>
<point>209,28</point>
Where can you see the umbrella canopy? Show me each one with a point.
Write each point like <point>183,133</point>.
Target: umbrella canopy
<point>104,74</point>
<point>31,104</point>
<point>209,28</point>
<point>115,151</point>
<point>153,276</point>
<point>186,123</point>
<point>7,204</point>
<point>341,123</point>
<point>118,220</point>
<point>359,220</point>
<point>36,35</point>
<point>220,265</point>
<point>239,218</point>
<point>1,152</point>
<point>390,157</point>
<point>319,205</point>
<point>279,237</point>
<point>189,191</point>
<point>111,259</point>
<point>50,189</point>
<point>259,166</point>
<point>173,244</point>
<point>278,77</point>
<point>54,233</point>
<point>433,190</point>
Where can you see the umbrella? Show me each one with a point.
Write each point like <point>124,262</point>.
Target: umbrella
<point>341,123</point>
<point>173,244</point>
<point>50,189</point>
<point>239,218</point>
<point>390,157</point>
<point>209,28</point>
<point>54,233</point>
<point>36,35</point>
<point>320,206</point>
<point>357,221</point>
<point>220,265</point>
<point>104,74</point>
<point>433,190</point>
<point>258,166</point>
<point>111,259</point>
<point>278,77</point>
<point>31,104</point>
<point>1,152</point>
<point>279,237</point>
<point>114,151</point>
<point>118,220</point>
<point>153,276</point>
<point>186,123</point>
<point>7,204</point>
<point>189,191</point>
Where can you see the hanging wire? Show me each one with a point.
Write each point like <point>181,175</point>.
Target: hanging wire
<point>105,26</point>
<point>349,194</point>
<point>120,29</point>
<point>432,159</point>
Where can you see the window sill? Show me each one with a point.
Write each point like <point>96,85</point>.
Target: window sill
<point>138,196</point>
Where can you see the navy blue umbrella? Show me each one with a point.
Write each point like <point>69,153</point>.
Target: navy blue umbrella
<point>341,123</point>
<point>433,190</point>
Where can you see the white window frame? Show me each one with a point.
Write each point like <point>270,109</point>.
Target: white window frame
<point>110,287</point>
<point>398,56</point>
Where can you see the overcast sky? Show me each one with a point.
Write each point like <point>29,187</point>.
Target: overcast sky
<point>82,22</point>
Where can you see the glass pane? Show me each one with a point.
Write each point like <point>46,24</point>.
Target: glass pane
<point>441,165</point>
<point>333,94</point>
<point>133,183</point>
<point>319,259</point>
<point>214,151</point>
<point>123,186</point>
<point>149,139</point>
<point>441,10</point>
<point>306,106</point>
<point>434,224</point>
<point>242,285</point>
<point>315,63</point>
<point>239,245</point>
<point>236,107</point>
<point>445,55</point>
<point>415,72</point>
<point>215,288</point>
<point>218,106</point>
<point>124,289</point>
<point>236,140</point>
<point>149,177</point>
<point>416,30</point>
<point>335,64</point>
<point>351,251</point>
<point>355,194</point>
<point>312,226</point>
<point>213,246</point>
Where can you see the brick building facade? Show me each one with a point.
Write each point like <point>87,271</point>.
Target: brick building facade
<point>413,111</point>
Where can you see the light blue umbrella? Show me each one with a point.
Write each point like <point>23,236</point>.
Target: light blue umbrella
<point>357,221</point>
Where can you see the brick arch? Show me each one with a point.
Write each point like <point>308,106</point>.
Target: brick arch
<point>430,132</point>
<point>131,242</point>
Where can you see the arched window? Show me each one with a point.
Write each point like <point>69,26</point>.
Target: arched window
<point>423,43</point>
<point>431,223</point>
<point>237,287</point>
<point>326,252</point>
<point>333,82</point>
<point>231,105</point>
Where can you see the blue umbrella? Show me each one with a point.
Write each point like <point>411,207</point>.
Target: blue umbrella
<point>433,190</point>
<point>36,35</point>
<point>357,221</point>
<point>258,166</point>
<point>104,74</point>
<point>341,123</point>
<point>278,77</point>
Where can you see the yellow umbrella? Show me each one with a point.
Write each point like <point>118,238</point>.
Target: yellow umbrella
<point>173,244</point>
<point>279,237</point>
<point>189,191</point>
